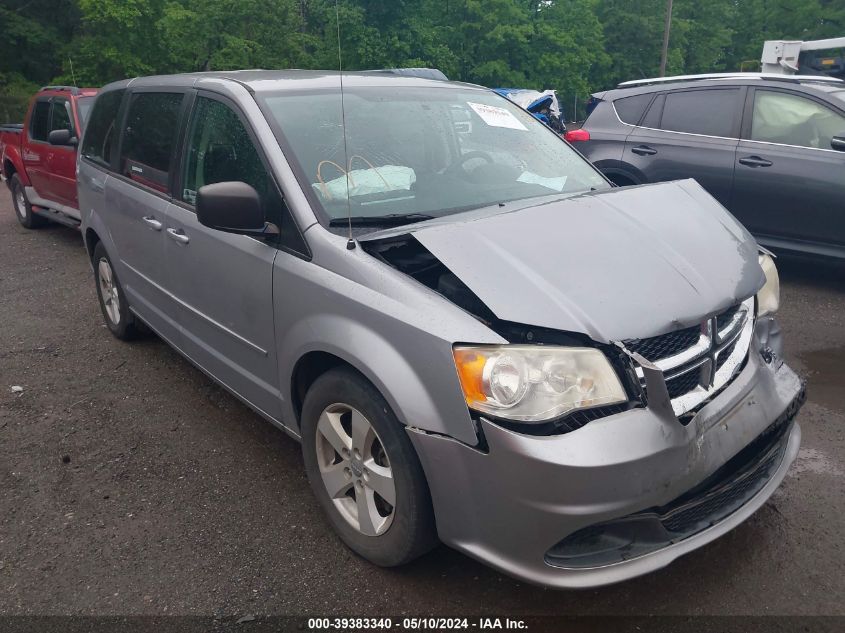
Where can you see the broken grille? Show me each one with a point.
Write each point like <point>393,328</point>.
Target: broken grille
<point>659,347</point>
<point>683,384</point>
<point>698,361</point>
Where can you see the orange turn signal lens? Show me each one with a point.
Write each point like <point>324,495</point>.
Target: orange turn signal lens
<point>470,365</point>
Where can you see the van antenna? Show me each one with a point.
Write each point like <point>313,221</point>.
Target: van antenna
<point>72,74</point>
<point>350,243</point>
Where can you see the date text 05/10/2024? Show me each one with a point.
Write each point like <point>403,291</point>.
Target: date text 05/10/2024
<point>415,624</point>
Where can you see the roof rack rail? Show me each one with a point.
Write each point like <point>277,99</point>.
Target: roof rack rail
<point>761,76</point>
<point>72,89</point>
<point>422,73</point>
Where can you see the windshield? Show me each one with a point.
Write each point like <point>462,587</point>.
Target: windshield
<point>83,107</point>
<point>421,152</point>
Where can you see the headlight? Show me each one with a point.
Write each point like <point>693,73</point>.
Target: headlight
<point>768,299</point>
<point>535,383</point>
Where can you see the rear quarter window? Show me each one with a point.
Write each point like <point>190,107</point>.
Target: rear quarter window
<point>83,107</point>
<point>631,109</point>
<point>99,136</point>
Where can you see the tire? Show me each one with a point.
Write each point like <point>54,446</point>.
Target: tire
<point>620,181</point>
<point>113,304</point>
<point>391,534</point>
<point>23,210</point>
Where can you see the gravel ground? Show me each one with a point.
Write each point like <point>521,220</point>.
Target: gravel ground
<point>131,484</point>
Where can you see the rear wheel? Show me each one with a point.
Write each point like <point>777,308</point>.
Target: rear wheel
<point>23,210</point>
<point>364,470</point>
<point>113,302</point>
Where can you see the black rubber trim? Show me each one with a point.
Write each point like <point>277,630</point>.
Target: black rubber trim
<point>706,505</point>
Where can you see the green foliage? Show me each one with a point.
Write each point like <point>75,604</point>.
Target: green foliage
<point>230,34</point>
<point>574,46</point>
<point>116,39</point>
<point>15,93</point>
<point>761,20</point>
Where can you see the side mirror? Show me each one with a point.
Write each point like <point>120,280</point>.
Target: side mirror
<point>838,142</point>
<point>233,207</point>
<point>62,137</point>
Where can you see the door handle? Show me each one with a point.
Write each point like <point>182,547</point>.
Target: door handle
<point>178,235</point>
<point>152,222</point>
<point>644,150</point>
<point>755,161</point>
<point>98,185</point>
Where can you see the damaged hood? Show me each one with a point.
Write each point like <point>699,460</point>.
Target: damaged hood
<point>625,263</point>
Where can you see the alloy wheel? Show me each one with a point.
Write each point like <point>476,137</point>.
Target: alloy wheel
<point>355,469</point>
<point>20,203</point>
<point>108,290</point>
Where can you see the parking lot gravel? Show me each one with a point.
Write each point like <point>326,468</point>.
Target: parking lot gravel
<point>131,484</point>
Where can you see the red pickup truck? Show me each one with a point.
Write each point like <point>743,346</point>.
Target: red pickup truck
<point>39,156</point>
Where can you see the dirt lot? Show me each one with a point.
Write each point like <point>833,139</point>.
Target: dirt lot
<point>130,484</point>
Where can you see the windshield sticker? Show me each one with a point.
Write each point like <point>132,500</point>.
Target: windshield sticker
<point>497,117</point>
<point>555,184</point>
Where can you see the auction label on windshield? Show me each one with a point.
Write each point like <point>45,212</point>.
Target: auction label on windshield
<point>496,117</point>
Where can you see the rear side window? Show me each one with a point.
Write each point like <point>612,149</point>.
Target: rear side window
<point>631,109</point>
<point>708,112</point>
<point>39,125</point>
<point>100,135</point>
<point>149,137</point>
<point>652,119</point>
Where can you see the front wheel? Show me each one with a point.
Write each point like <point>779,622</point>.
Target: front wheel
<point>23,210</point>
<point>364,470</point>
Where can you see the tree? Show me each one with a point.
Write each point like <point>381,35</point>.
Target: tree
<point>117,39</point>
<point>761,20</point>
<point>574,46</point>
<point>231,34</point>
<point>29,57</point>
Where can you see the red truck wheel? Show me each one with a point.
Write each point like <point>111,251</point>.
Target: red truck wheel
<point>23,210</point>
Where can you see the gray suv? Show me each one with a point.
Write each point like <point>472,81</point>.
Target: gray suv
<point>474,336</point>
<point>771,149</point>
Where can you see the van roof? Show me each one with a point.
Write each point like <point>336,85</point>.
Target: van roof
<point>276,80</point>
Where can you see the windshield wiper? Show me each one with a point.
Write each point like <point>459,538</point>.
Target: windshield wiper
<point>392,219</point>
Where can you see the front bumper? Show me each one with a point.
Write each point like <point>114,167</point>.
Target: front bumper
<point>511,505</point>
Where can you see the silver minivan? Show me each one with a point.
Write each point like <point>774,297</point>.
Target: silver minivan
<point>475,336</point>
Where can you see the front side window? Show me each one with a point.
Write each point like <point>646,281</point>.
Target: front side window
<point>60,119</point>
<point>412,152</point>
<point>100,134</point>
<point>221,150</point>
<point>708,112</point>
<point>149,137</point>
<point>788,119</point>
<point>39,125</point>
